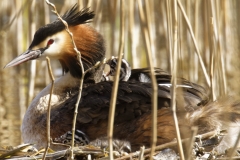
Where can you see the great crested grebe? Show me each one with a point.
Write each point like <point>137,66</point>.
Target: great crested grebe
<point>133,109</point>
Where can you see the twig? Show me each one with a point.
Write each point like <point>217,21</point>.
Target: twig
<point>191,141</point>
<point>196,32</point>
<point>220,62</point>
<point>133,39</point>
<point>195,43</point>
<point>212,52</point>
<point>32,68</point>
<point>81,150</point>
<point>85,150</point>
<point>49,108</point>
<point>82,78</point>
<point>66,28</point>
<point>116,82</point>
<point>152,75</point>
<point>149,14</point>
<point>227,158</point>
<point>61,144</point>
<point>142,149</point>
<point>170,144</point>
<point>174,80</point>
<point>14,151</point>
<point>169,30</point>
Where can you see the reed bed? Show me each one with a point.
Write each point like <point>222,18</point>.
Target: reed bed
<point>194,39</point>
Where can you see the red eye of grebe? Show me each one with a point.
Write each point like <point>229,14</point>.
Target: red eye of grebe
<point>50,41</point>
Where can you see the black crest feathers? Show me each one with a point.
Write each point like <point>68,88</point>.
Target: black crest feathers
<point>73,17</point>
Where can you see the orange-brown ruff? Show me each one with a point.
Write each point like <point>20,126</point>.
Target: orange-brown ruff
<point>132,121</point>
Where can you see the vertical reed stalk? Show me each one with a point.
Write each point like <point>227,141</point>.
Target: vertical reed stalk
<point>195,43</point>
<point>116,81</point>
<point>147,41</point>
<point>174,78</point>
<point>49,108</point>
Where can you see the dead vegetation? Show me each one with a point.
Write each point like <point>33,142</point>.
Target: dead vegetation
<point>200,39</point>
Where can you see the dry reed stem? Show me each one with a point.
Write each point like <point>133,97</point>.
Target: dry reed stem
<point>112,8</point>
<point>116,82</point>
<point>135,154</point>
<point>80,2</point>
<point>61,144</point>
<point>84,151</point>
<point>19,37</point>
<point>169,30</point>
<point>196,32</point>
<point>227,158</point>
<point>152,75</point>
<point>98,12</point>
<point>8,25</point>
<point>46,21</point>
<point>32,72</point>
<point>132,39</point>
<point>81,150</point>
<point>141,154</point>
<point>191,141</point>
<point>75,114</point>
<point>78,100</point>
<point>195,43</point>
<point>13,151</point>
<point>89,3</point>
<point>150,27</point>
<point>212,62</point>
<point>49,107</point>
<point>217,47</point>
<point>174,79</point>
<point>171,144</point>
<point>82,69</point>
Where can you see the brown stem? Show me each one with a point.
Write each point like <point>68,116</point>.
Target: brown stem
<point>147,41</point>
<point>194,42</point>
<point>174,80</point>
<point>170,145</point>
<point>82,69</point>
<point>49,108</point>
<point>116,82</point>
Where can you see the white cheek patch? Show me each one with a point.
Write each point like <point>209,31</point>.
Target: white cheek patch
<point>55,49</point>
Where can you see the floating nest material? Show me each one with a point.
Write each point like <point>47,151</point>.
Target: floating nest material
<point>202,148</point>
